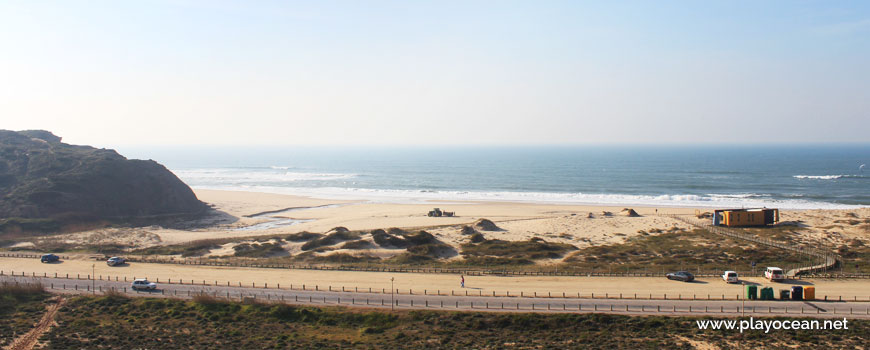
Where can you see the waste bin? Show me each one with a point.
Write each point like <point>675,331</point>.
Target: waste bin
<point>809,293</point>
<point>797,293</point>
<point>751,292</point>
<point>784,294</point>
<point>767,293</point>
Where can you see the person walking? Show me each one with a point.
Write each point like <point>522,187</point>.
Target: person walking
<point>462,284</point>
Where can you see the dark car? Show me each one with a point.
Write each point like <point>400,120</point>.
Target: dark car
<point>684,276</point>
<point>49,258</point>
<point>116,261</point>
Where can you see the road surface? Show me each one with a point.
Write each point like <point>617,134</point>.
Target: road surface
<point>657,287</point>
<point>728,308</point>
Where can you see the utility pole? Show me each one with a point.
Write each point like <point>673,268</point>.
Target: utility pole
<point>94,278</point>
<point>392,295</point>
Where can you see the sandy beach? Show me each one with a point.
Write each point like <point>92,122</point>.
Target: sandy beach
<point>518,221</point>
<point>579,225</point>
<point>241,214</point>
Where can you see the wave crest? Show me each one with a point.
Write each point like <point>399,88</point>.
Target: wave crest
<point>253,177</point>
<point>673,200</point>
<point>825,177</point>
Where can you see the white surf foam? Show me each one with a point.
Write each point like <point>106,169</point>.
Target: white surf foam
<point>418,196</point>
<point>251,176</point>
<point>826,177</point>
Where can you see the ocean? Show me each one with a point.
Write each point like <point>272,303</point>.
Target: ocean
<point>789,177</point>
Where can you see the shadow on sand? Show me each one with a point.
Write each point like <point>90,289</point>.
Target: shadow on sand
<point>796,282</point>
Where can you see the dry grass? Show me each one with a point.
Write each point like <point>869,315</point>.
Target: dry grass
<point>21,306</point>
<point>16,289</point>
<point>208,323</point>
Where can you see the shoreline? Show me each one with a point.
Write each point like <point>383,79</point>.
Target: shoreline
<point>579,225</point>
<point>518,197</point>
<point>241,216</point>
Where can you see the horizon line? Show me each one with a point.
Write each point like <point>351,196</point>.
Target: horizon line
<point>499,145</point>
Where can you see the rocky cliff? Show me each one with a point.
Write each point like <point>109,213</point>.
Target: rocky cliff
<point>41,177</point>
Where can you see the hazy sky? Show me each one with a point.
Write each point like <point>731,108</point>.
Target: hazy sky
<point>111,73</point>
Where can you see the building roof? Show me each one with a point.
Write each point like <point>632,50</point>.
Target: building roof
<point>744,209</point>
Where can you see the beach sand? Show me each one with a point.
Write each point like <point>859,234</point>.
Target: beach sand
<point>517,221</point>
<point>579,225</point>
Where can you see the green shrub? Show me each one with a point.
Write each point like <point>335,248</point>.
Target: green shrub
<point>258,249</point>
<point>358,244</point>
<point>532,249</point>
<point>303,236</point>
<point>331,239</point>
<point>387,240</point>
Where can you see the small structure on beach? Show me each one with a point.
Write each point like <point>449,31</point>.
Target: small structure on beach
<point>630,212</point>
<point>745,217</point>
<point>486,225</point>
<point>437,212</point>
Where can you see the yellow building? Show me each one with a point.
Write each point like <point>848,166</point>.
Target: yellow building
<point>745,217</point>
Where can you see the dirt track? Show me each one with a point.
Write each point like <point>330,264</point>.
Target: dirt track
<point>28,340</point>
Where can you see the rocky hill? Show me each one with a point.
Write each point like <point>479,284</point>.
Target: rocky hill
<point>43,178</point>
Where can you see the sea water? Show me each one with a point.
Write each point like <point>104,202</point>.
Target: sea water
<point>793,177</point>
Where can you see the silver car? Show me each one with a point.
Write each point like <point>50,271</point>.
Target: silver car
<point>141,283</point>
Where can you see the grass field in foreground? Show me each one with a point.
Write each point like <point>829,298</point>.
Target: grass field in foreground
<point>21,306</point>
<point>116,321</point>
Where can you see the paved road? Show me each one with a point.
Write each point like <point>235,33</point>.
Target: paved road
<point>850,289</point>
<point>821,309</point>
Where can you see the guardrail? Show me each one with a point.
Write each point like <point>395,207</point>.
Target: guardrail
<point>33,256</point>
<point>830,259</point>
<point>460,271</point>
<point>409,292</point>
<point>382,302</point>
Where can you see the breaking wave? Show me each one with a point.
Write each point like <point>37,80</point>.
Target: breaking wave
<point>246,176</point>
<point>825,177</point>
<point>672,200</point>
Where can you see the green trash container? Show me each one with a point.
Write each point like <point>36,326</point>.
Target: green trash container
<point>767,293</point>
<point>751,292</point>
<point>784,294</point>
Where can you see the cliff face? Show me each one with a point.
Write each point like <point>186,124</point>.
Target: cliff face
<point>41,177</point>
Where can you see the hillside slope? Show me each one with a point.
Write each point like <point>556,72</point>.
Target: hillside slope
<point>41,177</point>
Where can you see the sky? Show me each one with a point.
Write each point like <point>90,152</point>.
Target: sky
<point>187,72</point>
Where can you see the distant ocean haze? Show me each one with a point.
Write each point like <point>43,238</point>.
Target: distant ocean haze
<point>793,177</point>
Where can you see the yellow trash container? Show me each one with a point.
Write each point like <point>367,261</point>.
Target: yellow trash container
<point>809,293</point>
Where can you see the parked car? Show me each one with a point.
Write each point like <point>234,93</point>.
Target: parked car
<point>141,283</point>
<point>730,277</point>
<point>49,258</point>
<point>684,276</point>
<point>774,274</point>
<point>116,261</point>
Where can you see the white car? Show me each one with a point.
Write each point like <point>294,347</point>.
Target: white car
<point>730,277</point>
<point>774,274</point>
<point>142,283</point>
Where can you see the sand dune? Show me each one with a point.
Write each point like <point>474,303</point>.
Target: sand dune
<point>579,225</point>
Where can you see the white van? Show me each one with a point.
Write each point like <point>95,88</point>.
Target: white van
<point>774,274</point>
<point>730,277</point>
